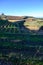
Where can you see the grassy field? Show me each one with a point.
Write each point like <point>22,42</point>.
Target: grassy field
<point>18,46</point>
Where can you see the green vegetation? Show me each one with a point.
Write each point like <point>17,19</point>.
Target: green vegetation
<point>18,45</point>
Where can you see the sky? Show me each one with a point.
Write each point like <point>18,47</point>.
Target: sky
<point>22,7</point>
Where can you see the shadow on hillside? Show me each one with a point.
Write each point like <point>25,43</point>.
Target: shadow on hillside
<point>40,31</point>
<point>26,30</point>
<point>20,25</point>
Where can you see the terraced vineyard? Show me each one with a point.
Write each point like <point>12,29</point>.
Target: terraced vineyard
<point>18,46</point>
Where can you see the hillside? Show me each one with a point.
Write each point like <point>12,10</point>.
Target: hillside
<point>31,23</point>
<point>21,42</point>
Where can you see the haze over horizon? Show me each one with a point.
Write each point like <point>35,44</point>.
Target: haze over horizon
<point>22,7</point>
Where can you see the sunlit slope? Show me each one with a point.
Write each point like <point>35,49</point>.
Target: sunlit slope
<point>34,24</point>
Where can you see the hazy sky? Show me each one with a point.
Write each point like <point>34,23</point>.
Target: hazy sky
<point>22,7</point>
